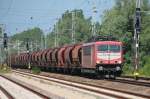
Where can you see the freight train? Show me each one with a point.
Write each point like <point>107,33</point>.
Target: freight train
<point>97,57</point>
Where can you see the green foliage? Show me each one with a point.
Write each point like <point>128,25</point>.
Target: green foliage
<point>4,69</point>
<point>119,22</point>
<point>128,69</point>
<point>146,68</point>
<point>32,35</point>
<point>35,70</point>
<point>64,28</point>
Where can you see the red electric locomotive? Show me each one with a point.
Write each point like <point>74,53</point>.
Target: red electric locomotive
<point>103,57</point>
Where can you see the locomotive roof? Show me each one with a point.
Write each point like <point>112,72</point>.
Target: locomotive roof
<point>102,38</point>
<point>103,42</point>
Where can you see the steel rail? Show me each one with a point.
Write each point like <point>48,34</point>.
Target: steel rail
<point>97,86</point>
<point>6,93</point>
<point>26,87</point>
<point>132,82</point>
<point>132,77</point>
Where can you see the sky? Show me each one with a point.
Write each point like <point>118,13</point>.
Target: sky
<point>16,14</point>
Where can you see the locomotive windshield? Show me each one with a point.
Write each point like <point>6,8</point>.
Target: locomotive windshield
<point>112,48</point>
<point>102,48</point>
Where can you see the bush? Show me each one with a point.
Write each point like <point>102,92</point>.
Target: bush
<point>36,70</point>
<point>4,68</point>
<point>145,70</point>
<point>127,69</point>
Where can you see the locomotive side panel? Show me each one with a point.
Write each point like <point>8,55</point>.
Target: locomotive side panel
<point>88,56</point>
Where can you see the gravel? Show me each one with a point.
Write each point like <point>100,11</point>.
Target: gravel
<point>17,91</point>
<point>2,95</point>
<point>106,83</point>
<point>58,89</point>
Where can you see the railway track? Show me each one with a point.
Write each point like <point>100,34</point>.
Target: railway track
<point>93,88</point>
<point>10,96</point>
<point>6,93</point>
<point>132,77</point>
<point>131,81</point>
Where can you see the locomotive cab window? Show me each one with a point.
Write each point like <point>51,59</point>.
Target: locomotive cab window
<point>102,48</point>
<point>112,48</point>
<point>115,48</point>
<point>87,50</point>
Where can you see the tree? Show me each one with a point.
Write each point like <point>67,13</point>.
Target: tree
<point>35,37</point>
<point>119,21</point>
<point>64,28</point>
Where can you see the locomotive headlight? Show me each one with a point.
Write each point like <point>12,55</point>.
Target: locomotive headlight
<point>119,62</point>
<point>97,62</point>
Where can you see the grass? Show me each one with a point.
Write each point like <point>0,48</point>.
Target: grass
<point>127,69</point>
<point>4,69</point>
<point>36,70</point>
<point>143,71</point>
